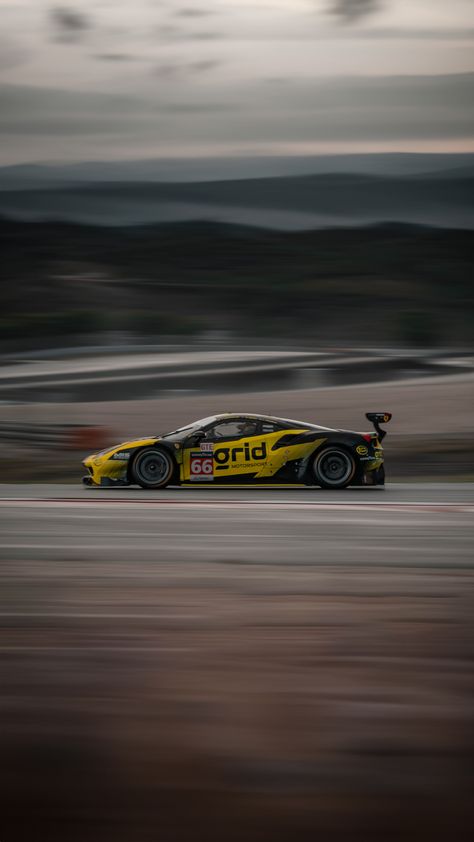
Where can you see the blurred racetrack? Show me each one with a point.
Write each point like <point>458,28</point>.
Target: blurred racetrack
<point>237,664</point>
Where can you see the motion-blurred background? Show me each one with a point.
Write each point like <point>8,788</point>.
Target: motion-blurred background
<point>265,207</point>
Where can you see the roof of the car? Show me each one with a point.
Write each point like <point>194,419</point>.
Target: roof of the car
<point>285,423</point>
<point>270,418</point>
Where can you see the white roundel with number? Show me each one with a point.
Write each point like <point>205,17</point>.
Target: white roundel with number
<point>201,466</point>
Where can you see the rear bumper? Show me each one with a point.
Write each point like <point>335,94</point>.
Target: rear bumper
<point>373,477</point>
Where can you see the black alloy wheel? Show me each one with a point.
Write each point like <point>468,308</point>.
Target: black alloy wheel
<point>334,468</point>
<point>152,468</point>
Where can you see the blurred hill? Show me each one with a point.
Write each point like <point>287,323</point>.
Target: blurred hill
<point>285,203</point>
<point>40,176</point>
<point>385,283</point>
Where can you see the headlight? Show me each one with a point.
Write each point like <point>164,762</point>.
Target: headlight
<point>99,457</point>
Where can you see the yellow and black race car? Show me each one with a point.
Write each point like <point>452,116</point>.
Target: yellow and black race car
<point>233,449</point>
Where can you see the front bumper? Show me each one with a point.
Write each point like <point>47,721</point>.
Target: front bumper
<point>104,482</point>
<point>105,473</point>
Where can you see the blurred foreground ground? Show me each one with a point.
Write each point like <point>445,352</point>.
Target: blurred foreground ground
<point>252,666</point>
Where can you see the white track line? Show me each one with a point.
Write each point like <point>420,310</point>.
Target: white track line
<point>372,505</point>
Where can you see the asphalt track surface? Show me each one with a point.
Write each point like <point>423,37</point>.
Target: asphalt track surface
<point>261,664</point>
<point>429,524</point>
<point>393,492</point>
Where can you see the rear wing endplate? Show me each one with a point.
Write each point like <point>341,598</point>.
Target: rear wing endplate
<point>377,419</point>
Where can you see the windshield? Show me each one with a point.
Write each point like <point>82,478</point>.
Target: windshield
<point>188,429</point>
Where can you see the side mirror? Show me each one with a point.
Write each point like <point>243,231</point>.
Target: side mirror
<point>194,439</point>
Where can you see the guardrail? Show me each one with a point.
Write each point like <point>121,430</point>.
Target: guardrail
<point>62,436</point>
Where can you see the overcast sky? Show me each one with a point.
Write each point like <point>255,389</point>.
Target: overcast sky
<point>111,79</point>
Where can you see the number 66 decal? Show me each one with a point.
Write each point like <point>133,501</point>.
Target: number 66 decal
<point>201,466</point>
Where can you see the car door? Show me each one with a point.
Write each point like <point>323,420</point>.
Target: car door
<point>230,448</point>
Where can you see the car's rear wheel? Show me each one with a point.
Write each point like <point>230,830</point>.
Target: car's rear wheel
<point>334,467</point>
<point>152,468</point>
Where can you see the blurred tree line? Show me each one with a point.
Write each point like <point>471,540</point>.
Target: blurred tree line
<point>384,283</point>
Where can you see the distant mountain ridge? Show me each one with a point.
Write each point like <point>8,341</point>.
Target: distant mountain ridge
<point>291,202</point>
<point>29,175</point>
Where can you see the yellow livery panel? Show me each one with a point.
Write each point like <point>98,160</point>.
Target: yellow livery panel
<point>253,456</point>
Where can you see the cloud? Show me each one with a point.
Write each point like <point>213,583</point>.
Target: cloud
<point>201,36</point>
<point>12,55</point>
<point>362,110</point>
<point>204,65</point>
<point>169,31</point>
<point>192,12</point>
<point>178,70</point>
<point>43,112</point>
<point>416,34</point>
<point>352,10</point>
<point>194,108</point>
<point>69,24</point>
<point>173,33</point>
<point>117,57</point>
<point>168,71</point>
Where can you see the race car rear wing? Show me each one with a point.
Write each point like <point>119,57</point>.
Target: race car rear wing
<point>377,419</point>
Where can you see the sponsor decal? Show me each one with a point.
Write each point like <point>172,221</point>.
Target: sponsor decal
<point>122,456</point>
<point>201,467</point>
<point>362,450</point>
<point>245,456</point>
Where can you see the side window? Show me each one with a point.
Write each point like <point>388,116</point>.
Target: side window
<point>237,428</point>
<point>270,427</point>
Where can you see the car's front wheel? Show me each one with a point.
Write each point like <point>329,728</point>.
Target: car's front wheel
<point>152,468</point>
<point>334,467</point>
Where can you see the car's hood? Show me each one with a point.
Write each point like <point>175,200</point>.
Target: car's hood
<point>109,452</point>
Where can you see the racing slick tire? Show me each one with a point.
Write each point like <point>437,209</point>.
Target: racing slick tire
<point>152,468</point>
<point>334,467</point>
